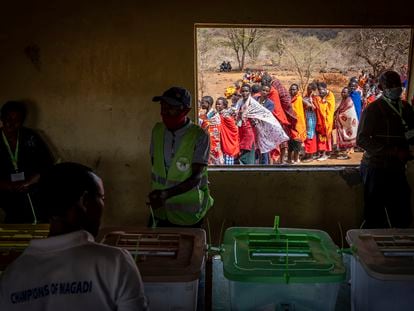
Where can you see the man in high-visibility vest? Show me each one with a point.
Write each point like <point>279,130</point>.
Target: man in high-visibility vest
<point>179,154</point>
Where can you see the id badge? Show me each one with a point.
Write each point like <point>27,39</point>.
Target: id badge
<point>17,177</point>
<point>409,134</point>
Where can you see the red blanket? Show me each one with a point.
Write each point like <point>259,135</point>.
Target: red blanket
<point>229,136</point>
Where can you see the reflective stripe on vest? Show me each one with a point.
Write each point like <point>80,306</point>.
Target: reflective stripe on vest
<point>189,207</point>
<point>170,183</point>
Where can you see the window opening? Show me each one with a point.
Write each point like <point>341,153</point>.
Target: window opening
<point>281,64</point>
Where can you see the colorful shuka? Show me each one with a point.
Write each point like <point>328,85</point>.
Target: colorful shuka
<point>229,135</point>
<point>280,115</point>
<point>325,108</point>
<point>212,124</point>
<point>285,100</point>
<point>346,124</point>
<point>310,119</point>
<point>299,130</point>
<point>268,131</point>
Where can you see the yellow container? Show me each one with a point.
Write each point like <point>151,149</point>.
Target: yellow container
<point>14,238</point>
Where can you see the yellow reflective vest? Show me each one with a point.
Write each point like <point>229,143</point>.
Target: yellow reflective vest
<point>190,207</point>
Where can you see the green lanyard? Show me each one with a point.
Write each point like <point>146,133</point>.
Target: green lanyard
<point>14,156</point>
<point>399,111</point>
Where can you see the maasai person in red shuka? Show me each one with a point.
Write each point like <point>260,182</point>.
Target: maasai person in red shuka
<point>229,133</point>
<point>279,113</point>
<point>212,124</point>
<point>267,130</point>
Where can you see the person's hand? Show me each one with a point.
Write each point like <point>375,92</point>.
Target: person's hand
<point>24,186</point>
<point>157,198</point>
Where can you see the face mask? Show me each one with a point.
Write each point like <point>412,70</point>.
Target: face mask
<point>174,122</point>
<point>393,93</point>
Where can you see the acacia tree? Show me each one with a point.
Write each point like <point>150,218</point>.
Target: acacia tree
<point>381,49</point>
<point>241,40</point>
<point>276,47</point>
<point>204,41</point>
<point>305,54</point>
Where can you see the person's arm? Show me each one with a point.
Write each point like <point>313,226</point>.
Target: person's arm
<point>42,159</point>
<point>24,186</point>
<point>366,131</point>
<point>130,287</point>
<point>158,197</point>
<point>270,105</point>
<point>200,159</point>
<point>307,103</point>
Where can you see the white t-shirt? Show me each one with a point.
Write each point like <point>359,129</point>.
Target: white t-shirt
<point>72,272</point>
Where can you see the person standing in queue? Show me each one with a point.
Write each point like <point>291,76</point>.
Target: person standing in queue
<point>386,134</point>
<point>23,157</point>
<point>179,151</point>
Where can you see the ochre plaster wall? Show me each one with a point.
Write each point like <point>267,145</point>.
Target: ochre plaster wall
<point>90,68</point>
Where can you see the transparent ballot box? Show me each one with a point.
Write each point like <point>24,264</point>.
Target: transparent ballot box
<point>382,269</point>
<point>281,269</point>
<point>171,262</point>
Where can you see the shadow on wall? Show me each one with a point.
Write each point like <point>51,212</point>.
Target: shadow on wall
<point>33,120</point>
<point>32,52</point>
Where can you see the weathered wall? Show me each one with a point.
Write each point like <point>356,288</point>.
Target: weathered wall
<point>90,69</point>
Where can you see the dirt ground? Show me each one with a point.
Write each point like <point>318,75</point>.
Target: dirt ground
<point>215,84</point>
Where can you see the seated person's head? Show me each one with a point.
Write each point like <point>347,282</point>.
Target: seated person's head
<point>73,196</point>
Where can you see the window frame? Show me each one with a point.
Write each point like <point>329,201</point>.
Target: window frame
<point>308,167</point>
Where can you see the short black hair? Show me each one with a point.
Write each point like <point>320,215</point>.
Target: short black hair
<point>266,79</point>
<point>313,86</point>
<point>246,85</point>
<point>63,185</point>
<point>13,105</point>
<point>224,100</point>
<point>256,88</point>
<point>265,83</point>
<point>389,79</point>
<point>322,85</point>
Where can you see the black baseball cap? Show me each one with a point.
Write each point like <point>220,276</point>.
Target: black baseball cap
<point>175,96</point>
